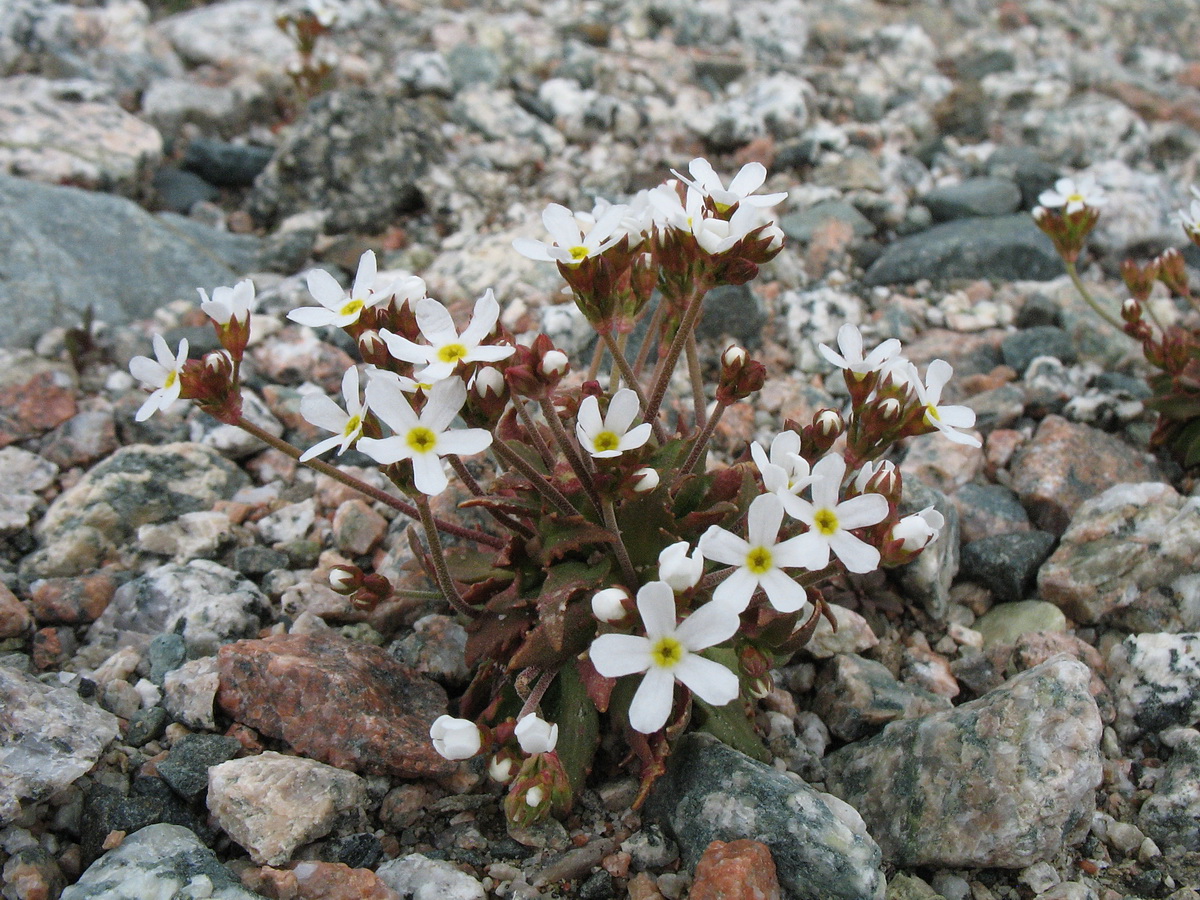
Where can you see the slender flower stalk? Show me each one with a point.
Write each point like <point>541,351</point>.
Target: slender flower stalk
<point>623,560</point>
<point>576,462</point>
<point>694,306</point>
<point>440,569</point>
<point>540,482</point>
<point>631,381</point>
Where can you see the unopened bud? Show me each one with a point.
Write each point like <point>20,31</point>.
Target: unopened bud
<point>733,356</point>
<point>681,571</point>
<point>534,796</point>
<point>555,363</point>
<point>916,531</point>
<point>501,768</point>
<point>889,409</point>
<point>488,382</point>
<point>455,738</point>
<point>536,735</point>
<point>1131,311</point>
<point>828,423</point>
<point>645,480</point>
<point>608,605</point>
<point>345,580</point>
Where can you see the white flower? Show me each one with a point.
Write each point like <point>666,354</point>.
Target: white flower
<point>850,342</point>
<point>447,348</point>
<point>574,236</point>
<point>161,374</point>
<point>610,436</point>
<point>535,735</point>
<point>424,438</point>
<point>946,419</point>
<point>741,189</point>
<point>455,738</point>
<point>228,303</point>
<point>1074,195</point>
<point>829,522</point>
<point>534,796</point>
<point>760,560</point>
<point>676,568</point>
<point>714,235</point>
<point>870,470</point>
<point>608,605</point>
<point>346,425</point>
<point>645,480</point>
<point>786,471</point>
<point>668,653</point>
<point>915,532</point>
<point>501,769</point>
<point>337,308</point>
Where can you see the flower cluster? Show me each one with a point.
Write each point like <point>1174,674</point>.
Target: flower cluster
<point>628,583</point>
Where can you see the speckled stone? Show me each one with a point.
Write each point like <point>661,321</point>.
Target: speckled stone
<point>271,803</point>
<point>1171,816</point>
<point>989,509</point>
<point>1066,464</point>
<point>415,875</point>
<point>738,870</point>
<point>1007,564</point>
<point>15,620</point>
<point>853,634</point>
<point>310,880</point>
<point>857,696</point>
<point>342,702</point>
<point>186,767</point>
<point>1002,781</point>
<point>48,738</point>
<point>158,861</point>
<point>36,395</point>
<point>821,848</point>
<point>1131,542</point>
<point>1156,680</point>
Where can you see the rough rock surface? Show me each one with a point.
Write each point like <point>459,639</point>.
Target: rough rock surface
<point>739,870</point>
<point>48,738</point>
<point>820,845</point>
<point>1012,784</point>
<point>1171,817</point>
<point>1156,680</point>
<point>856,696</point>
<point>417,877</point>
<point>271,803</point>
<point>345,703</point>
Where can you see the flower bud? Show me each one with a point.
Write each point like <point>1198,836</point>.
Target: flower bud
<point>535,735</point>
<point>555,364</point>
<point>645,480</point>
<point>680,571</point>
<point>455,738</point>
<point>345,580</point>
<point>534,796</point>
<point>488,382</point>
<point>889,409</point>
<point>608,605</point>
<point>502,768</point>
<point>1131,310</point>
<point>733,356</point>
<point>828,422</point>
<point>915,532</point>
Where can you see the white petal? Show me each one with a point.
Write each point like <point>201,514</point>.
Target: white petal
<point>621,411</point>
<point>588,419</point>
<point>325,289</point>
<point>827,480</point>
<point>385,451</point>
<point>483,320</point>
<point>615,655</point>
<point>313,316</point>
<point>710,681</point>
<point>861,511</point>
<point>319,410</point>
<point>365,279</point>
<point>707,626</point>
<point>446,398</point>
<point>723,546</point>
<point>631,440</point>
<point>936,378</point>
<point>428,474</point>
<point>651,705</point>
<point>490,353</point>
<point>387,401</point>
<point>763,520</point>
<point>403,349</point>
<point>561,224</point>
<point>317,449</point>
<point>857,556</point>
<point>656,605</point>
<point>850,342</point>
<point>435,322</point>
<point>532,249</point>
<point>812,548</point>
<point>464,443</point>
<point>146,370</point>
<point>784,593</point>
<point>749,179</point>
<point>956,416</point>
<point>736,590</point>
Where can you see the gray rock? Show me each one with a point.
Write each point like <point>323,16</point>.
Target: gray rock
<point>857,696</point>
<point>48,738</point>
<point>989,509</point>
<point>147,725</point>
<point>237,251</point>
<point>520,137</point>
<point>1156,681</point>
<point>166,653</point>
<point>76,250</point>
<point>928,577</point>
<point>162,860</point>
<point>22,475</point>
<point>1002,781</point>
<point>356,154</point>
<point>47,124</point>
<point>820,845</point>
<point>769,107</point>
<point>174,104</point>
<point>271,803</point>
<point>1000,247</point>
<point>801,226</point>
<point>649,848</point>
<point>1007,564</point>
<point>1022,347</point>
<point>186,767</point>
<point>179,191</point>
<point>190,692</point>
<point>1004,623</point>
<point>1171,816</point>
<point>205,603</point>
<point>1130,549</point>
<point>984,196</point>
<point>236,36</point>
<point>733,311</point>
<point>813,317</point>
<point>470,65</point>
<point>417,877</point>
<point>1026,168</point>
<point>225,164</point>
<point>437,648</point>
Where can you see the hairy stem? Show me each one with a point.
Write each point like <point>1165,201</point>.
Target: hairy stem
<point>630,377</point>
<point>644,349</point>
<point>540,482</point>
<point>668,363</point>
<point>701,442</point>
<point>578,466</point>
<point>535,434</point>
<point>440,569</point>
<point>627,570</point>
<point>362,487</point>
<point>477,491</point>
<point>537,692</point>
<point>1091,301</point>
<point>693,361</point>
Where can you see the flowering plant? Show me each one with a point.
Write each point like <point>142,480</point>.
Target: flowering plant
<point>1068,214</point>
<point>619,549</point>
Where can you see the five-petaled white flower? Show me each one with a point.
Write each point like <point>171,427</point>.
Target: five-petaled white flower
<point>336,307</point>
<point>162,374</point>
<point>668,653</point>
<point>785,471</point>
<point>741,189</point>
<point>229,303</point>
<point>851,358</point>
<point>424,438</point>
<point>610,435</point>
<point>760,560</point>
<point>575,236</point>
<point>946,419</point>
<point>536,735</point>
<point>829,522</point>
<point>346,425</point>
<point>1074,195</point>
<point>455,738</point>
<point>917,531</point>
<point>447,348</point>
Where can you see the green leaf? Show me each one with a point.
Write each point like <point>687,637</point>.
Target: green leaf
<point>730,725</point>
<point>564,582</point>
<point>563,535</point>
<point>578,727</point>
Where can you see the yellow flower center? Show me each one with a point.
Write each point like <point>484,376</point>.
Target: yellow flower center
<point>1076,198</point>
<point>451,353</point>
<point>826,521</point>
<point>172,377</point>
<point>758,560</point>
<point>667,652</point>
<point>421,439</point>
<point>605,441</point>
<point>579,253</point>
<point>352,308</point>
<point>353,426</point>
<point>931,413</point>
